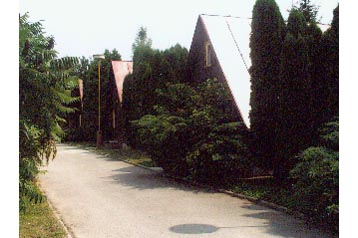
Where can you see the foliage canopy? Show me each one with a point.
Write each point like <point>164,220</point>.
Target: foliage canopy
<point>45,83</point>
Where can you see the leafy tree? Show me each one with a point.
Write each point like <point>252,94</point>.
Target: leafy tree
<point>316,178</point>
<point>74,132</point>
<point>268,32</point>
<point>114,55</point>
<point>45,82</point>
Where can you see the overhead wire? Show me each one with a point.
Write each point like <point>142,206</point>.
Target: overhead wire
<point>237,45</point>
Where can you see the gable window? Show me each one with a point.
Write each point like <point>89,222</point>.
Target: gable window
<point>113,118</point>
<point>208,54</point>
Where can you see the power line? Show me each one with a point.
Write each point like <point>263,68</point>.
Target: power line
<point>250,18</point>
<point>237,45</point>
<point>214,15</point>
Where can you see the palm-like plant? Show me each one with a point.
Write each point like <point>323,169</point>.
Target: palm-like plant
<point>45,83</point>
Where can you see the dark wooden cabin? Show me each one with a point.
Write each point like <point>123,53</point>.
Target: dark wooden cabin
<point>219,49</point>
<point>119,71</point>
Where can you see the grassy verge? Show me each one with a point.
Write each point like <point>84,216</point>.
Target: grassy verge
<point>39,221</point>
<point>129,155</point>
<point>265,189</point>
<point>281,194</point>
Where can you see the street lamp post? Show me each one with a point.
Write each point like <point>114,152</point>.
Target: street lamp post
<point>99,132</point>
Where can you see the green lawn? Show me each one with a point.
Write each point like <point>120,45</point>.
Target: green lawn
<point>265,189</point>
<point>39,221</point>
<point>130,155</point>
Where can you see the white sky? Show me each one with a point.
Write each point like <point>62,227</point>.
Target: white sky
<point>85,27</point>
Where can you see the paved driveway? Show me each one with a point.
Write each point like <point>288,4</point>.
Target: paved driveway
<point>99,197</point>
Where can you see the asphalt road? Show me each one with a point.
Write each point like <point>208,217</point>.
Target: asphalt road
<point>97,197</point>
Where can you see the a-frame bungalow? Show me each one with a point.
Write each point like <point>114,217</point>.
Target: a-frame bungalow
<point>220,49</point>
<point>120,69</point>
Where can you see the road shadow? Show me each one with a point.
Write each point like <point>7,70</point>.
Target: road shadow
<point>275,223</point>
<point>201,228</point>
<point>142,179</point>
<point>284,225</point>
<point>193,228</point>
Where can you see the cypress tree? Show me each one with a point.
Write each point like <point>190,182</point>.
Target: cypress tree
<point>308,9</point>
<point>317,92</point>
<point>330,56</point>
<point>268,31</point>
<point>294,95</point>
<point>152,70</point>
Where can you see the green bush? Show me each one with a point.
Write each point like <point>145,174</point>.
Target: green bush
<point>194,134</point>
<point>163,138</point>
<point>221,157</point>
<point>317,179</point>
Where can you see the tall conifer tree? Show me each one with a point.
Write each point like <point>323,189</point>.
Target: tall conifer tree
<point>295,95</point>
<point>309,10</point>
<point>268,31</point>
<point>330,58</point>
<point>317,91</point>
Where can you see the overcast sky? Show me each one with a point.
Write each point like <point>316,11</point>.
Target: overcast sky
<point>84,28</point>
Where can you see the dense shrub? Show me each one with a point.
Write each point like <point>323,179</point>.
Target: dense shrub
<point>317,178</point>
<point>191,134</point>
<point>162,137</point>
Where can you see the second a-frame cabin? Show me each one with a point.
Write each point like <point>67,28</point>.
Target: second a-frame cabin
<point>220,49</point>
<point>115,128</point>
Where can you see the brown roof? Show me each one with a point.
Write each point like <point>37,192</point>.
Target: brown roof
<point>120,70</point>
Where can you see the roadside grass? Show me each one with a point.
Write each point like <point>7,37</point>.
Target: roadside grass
<point>265,189</point>
<point>128,154</point>
<point>281,194</point>
<point>39,221</point>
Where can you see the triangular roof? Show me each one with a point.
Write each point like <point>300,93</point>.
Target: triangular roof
<point>120,70</point>
<point>230,40</point>
<point>230,37</point>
